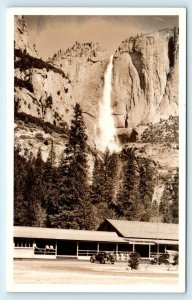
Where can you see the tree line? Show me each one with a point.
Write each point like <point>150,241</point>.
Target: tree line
<point>64,196</point>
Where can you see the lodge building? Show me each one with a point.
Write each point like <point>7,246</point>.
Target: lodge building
<point>119,236</point>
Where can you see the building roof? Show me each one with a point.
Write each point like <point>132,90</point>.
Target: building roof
<point>151,241</point>
<point>142,230</point>
<point>66,234</point>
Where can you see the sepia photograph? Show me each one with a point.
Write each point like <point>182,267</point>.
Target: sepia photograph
<point>97,134</point>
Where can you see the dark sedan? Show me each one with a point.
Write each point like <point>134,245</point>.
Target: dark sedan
<point>103,257</point>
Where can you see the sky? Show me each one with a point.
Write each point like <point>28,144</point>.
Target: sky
<point>51,33</point>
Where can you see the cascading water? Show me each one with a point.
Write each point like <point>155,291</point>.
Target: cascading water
<point>157,194</point>
<point>107,137</point>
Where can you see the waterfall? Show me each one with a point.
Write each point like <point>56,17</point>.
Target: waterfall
<point>107,137</point>
<point>157,194</point>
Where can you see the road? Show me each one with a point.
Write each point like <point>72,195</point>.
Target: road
<point>84,272</point>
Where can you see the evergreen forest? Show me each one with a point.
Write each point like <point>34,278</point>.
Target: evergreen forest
<point>69,195</point>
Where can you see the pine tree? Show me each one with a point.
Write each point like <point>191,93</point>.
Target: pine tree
<point>165,206</point>
<point>28,191</point>
<point>169,205</point>
<point>129,204</point>
<point>50,183</point>
<point>103,187</point>
<point>38,167</point>
<point>97,188</point>
<point>74,210</point>
<point>146,188</point>
<point>110,176</point>
<point>175,198</point>
<point>20,171</point>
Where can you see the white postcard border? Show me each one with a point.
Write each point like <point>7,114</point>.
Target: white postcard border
<point>11,12</point>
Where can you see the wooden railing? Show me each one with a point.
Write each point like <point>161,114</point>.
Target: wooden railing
<point>44,251</point>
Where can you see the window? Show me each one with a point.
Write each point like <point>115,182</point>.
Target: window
<point>23,243</point>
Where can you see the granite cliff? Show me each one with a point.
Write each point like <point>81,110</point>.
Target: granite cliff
<point>144,99</point>
<point>144,84</point>
<point>145,79</point>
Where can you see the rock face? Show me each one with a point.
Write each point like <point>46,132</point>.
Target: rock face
<point>145,79</point>
<point>49,90</point>
<point>30,138</point>
<point>144,96</point>
<point>84,65</point>
<point>21,37</point>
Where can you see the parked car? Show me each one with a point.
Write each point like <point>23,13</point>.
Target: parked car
<point>160,259</point>
<point>166,258</point>
<point>103,257</point>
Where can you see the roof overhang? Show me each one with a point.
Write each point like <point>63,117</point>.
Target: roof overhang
<point>152,242</point>
<point>144,230</point>
<point>166,242</point>
<point>141,242</point>
<point>67,234</point>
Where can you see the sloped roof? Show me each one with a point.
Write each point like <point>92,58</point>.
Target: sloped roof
<point>66,234</point>
<point>145,230</point>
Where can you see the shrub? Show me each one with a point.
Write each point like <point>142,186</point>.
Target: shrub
<point>26,62</point>
<point>49,102</point>
<point>164,131</point>
<point>46,126</point>
<point>176,259</point>
<point>134,260</point>
<point>23,84</point>
<point>39,137</point>
<point>123,138</point>
<point>133,136</point>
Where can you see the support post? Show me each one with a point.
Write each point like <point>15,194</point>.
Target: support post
<point>77,249</point>
<point>149,251</point>
<point>116,248</point>
<point>133,247</point>
<point>158,252</point>
<point>56,249</point>
<point>97,247</point>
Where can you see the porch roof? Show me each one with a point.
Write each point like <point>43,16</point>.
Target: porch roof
<point>67,234</point>
<point>143,230</point>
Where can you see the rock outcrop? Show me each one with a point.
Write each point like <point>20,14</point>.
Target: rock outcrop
<point>29,138</point>
<point>21,37</point>
<point>144,97</point>
<point>49,90</point>
<point>84,65</point>
<point>145,79</point>
<point>144,84</point>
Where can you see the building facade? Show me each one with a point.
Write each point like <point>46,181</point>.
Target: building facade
<point>120,237</point>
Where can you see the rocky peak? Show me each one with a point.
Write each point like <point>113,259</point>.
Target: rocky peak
<point>145,78</point>
<point>49,90</point>
<point>144,83</point>
<point>144,99</point>
<point>21,37</point>
<point>90,51</point>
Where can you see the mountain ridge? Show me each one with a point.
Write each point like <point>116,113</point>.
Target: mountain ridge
<point>144,102</point>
